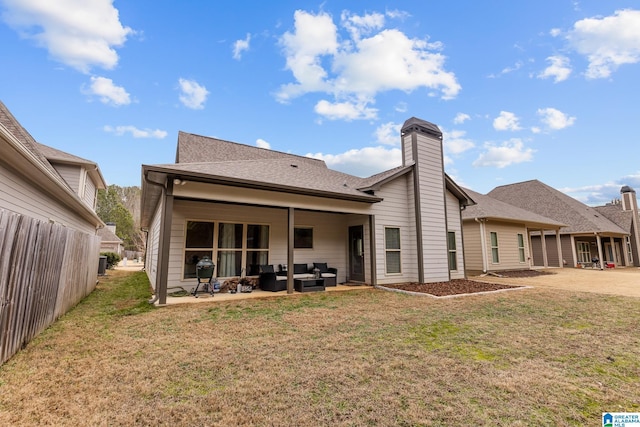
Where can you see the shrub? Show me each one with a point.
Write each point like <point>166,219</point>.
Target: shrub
<point>112,259</point>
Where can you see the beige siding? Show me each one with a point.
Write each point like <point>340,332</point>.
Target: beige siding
<point>71,174</point>
<point>89,196</point>
<point>19,195</point>
<point>396,211</point>
<point>472,247</point>
<point>507,246</point>
<point>432,208</point>
<point>454,224</point>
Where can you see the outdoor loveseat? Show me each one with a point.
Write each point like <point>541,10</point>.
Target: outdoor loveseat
<point>273,281</point>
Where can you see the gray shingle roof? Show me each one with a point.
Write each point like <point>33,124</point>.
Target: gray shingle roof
<point>108,236</point>
<point>9,121</point>
<point>544,200</point>
<point>488,207</point>
<point>53,154</point>
<point>615,214</point>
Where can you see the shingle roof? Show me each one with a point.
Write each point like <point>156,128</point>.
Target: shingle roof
<point>108,236</point>
<point>544,200</point>
<point>488,207</point>
<point>9,121</point>
<point>53,154</point>
<point>282,173</point>
<point>202,149</point>
<point>615,214</point>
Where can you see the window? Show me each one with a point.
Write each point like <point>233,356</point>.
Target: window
<point>198,243</point>
<point>392,250</point>
<point>303,238</point>
<point>236,248</point>
<point>521,247</point>
<point>453,255</point>
<point>584,252</point>
<point>495,256</point>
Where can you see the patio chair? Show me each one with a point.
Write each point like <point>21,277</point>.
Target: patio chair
<point>329,274</point>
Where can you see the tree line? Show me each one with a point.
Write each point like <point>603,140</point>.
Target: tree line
<point>121,205</point>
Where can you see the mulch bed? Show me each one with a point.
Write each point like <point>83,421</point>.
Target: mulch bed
<point>464,286</point>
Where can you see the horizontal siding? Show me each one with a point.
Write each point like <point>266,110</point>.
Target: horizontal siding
<point>71,174</point>
<point>454,224</point>
<point>89,196</point>
<point>153,245</point>
<point>472,246</point>
<point>19,195</point>
<point>396,210</point>
<point>507,246</point>
<point>432,207</point>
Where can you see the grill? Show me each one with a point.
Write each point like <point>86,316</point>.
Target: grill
<point>204,273</point>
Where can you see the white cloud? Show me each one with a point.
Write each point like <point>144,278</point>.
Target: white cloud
<point>600,194</point>
<point>369,60</point>
<point>240,46</point>
<point>607,42</point>
<point>461,118</point>
<point>135,132</point>
<point>77,33</point>
<point>364,161</point>
<point>345,110</point>
<point>555,119</point>
<point>506,154</point>
<point>193,95</point>
<point>454,142</point>
<point>506,121</point>
<point>559,68</point>
<point>389,133</point>
<point>263,144</point>
<point>108,92</point>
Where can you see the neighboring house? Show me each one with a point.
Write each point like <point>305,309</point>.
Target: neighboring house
<point>624,213</point>
<point>245,206</point>
<point>110,241</point>
<point>48,244</point>
<point>588,233</point>
<point>497,236</point>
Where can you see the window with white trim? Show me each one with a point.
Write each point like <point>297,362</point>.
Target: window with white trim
<point>521,247</point>
<point>392,250</point>
<point>453,253</point>
<point>495,256</point>
<point>584,251</point>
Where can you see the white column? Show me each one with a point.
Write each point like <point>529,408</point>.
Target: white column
<point>544,249</point>
<point>573,251</point>
<point>559,245</point>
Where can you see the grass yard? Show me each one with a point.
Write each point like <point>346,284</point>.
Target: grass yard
<point>363,358</point>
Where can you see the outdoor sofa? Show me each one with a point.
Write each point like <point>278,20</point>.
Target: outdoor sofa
<point>273,281</point>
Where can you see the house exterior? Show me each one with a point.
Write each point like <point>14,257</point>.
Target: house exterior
<point>244,206</point>
<point>48,244</point>
<point>497,236</point>
<point>588,234</point>
<point>624,213</point>
<point>110,242</point>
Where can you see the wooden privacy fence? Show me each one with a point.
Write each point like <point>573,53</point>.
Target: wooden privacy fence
<point>45,269</point>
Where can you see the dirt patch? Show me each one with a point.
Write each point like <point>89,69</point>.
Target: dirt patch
<point>520,273</point>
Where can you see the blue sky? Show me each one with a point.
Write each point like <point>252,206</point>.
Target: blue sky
<point>544,89</point>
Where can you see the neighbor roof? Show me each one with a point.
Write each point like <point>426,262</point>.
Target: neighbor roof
<point>544,200</point>
<point>615,214</point>
<point>53,155</point>
<point>488,207</point>
<point>108,236</point>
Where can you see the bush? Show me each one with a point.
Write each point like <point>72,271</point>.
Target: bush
<point>112,259</point>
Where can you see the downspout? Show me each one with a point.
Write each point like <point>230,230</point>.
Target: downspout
<point>157,184</point>
<point>483,243</point>
<point>464,256</point>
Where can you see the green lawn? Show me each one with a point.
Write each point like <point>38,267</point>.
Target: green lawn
<point>366,357</point>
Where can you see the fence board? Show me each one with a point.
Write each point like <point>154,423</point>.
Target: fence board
<point>45,269</point>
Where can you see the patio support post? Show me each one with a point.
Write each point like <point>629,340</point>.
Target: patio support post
<point>290,261</point>
<point>559,244</point>
<point>599,242</point>
<point>372,250</point>
<point>625,252</point>
<point>532,261</point>
<point>545,260</point>
<point>165,240</point>
<point>573,250</point>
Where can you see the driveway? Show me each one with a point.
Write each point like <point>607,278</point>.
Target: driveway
<point>614,281</point>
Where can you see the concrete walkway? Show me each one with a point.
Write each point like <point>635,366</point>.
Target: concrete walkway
<point>613,281</point>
